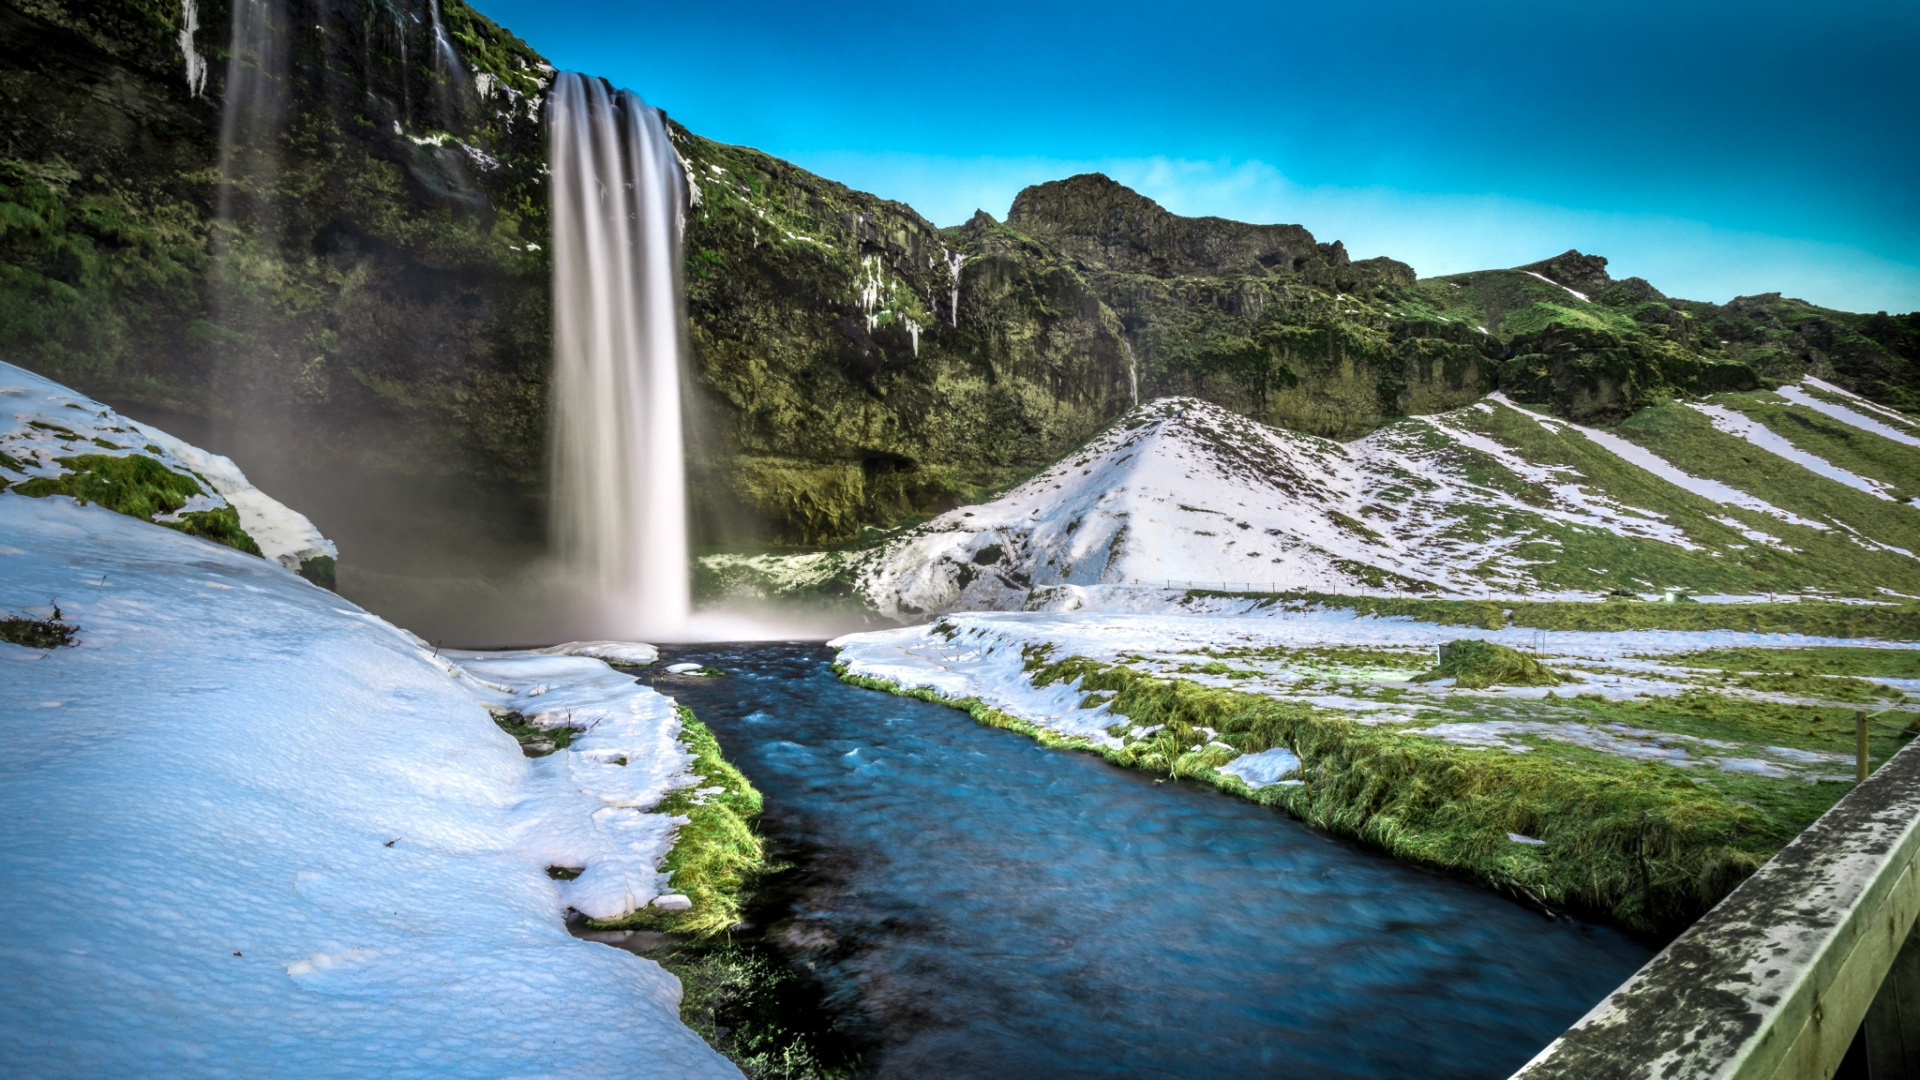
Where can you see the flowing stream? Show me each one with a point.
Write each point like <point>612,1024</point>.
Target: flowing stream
<point>980,906</point>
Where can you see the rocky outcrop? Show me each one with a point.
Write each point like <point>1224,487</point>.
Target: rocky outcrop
<point>1104,225</point>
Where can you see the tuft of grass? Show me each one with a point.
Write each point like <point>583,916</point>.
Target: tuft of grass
<point>1477,664</point>
<point>758,1012</point>
<point>37,633</point>
<point>139,486</point>
<point>716,853</point>
<point>535,741</point>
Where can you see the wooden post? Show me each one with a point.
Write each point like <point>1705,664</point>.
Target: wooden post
<point>1860,766</point>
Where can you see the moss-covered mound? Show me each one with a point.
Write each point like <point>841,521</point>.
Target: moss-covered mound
<point>139,486</point>
<point>1477,664</point>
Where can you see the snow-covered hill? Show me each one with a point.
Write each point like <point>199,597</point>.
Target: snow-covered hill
<point>1807,490</point>
<point>45,429</point>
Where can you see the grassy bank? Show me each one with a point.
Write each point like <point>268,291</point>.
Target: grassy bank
<point>1889,622</point>
<point>1637,842</point>
<point>716,854</point>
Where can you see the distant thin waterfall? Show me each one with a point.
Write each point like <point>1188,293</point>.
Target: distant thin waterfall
<point>620,516</point>
<point>255,103</point>
<point>196,64</point>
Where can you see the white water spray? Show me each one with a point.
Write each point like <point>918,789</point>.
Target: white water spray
<point>619,522</point>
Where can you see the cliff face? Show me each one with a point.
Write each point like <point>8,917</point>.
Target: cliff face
<point>367,327</point>
<point>858,366</point>
<point>1109,227</point>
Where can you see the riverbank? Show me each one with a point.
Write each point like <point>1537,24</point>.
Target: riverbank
<point>1651,774</point>
<point>978,905</point>
<point>254,825</point>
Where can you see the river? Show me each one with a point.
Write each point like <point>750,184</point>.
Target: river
<point>980,906</point>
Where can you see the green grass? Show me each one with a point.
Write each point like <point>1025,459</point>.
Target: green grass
<point>1818,660</point>
<point>1890,622</point>
<point>141,487</point>
<point>1634,841</point>
<point>716,854</point>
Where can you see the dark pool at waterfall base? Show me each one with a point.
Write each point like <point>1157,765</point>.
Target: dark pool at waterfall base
<point>980,906</point>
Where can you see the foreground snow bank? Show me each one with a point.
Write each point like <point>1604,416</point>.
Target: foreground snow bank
<point>253,830</point>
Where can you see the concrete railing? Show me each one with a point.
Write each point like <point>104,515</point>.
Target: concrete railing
<point>1776,980</point>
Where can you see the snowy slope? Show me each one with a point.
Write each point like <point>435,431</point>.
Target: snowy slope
<point>1492,499</point>
<point>252,830</point>
<point>42,421</point>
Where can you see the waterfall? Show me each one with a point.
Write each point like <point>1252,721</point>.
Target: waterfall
<point>255,102</point>
<point>619,521</point>
<point>954,259</point>
<point>190,52</point>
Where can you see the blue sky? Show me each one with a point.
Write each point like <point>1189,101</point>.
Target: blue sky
<point>1715,149</point>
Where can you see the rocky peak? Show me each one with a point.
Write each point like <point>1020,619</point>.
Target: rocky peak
<point>1581,273</point>
<point>1105,225</point>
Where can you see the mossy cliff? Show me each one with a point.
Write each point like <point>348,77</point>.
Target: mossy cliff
<point>1596,349</point>
<point>367,327</point>
<point>1260,318</point>
<point>374,304</point>
<point>842,385</point>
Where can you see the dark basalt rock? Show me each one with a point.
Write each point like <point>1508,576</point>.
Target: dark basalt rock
<point>1104,225</point>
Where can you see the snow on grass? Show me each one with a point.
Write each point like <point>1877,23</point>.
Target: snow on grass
<point>1797,395</point>
<point>1306,656</point>
<point>253,830</point>
<point>1264,769</point>
<point>1745,427</point>
<point>1854,400</point>
<point>1577,295</point>
<point>41,421</point>
<point>1181,492</point>
<point>1711,490</point>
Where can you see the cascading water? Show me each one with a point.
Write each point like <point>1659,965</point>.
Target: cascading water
<point>255,104</point>
<point>619,521</point>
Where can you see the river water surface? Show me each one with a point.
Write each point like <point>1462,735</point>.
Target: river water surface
<point>980,906</point>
